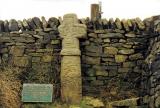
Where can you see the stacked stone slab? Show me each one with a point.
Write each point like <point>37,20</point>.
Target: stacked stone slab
<point>112,60</point>
<point>153,61</point>
<point>34,46</point>
<point>112,57</point>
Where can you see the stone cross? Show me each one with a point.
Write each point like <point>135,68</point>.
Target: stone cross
<point>71,81</point>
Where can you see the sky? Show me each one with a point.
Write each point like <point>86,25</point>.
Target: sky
<point>20,9</point>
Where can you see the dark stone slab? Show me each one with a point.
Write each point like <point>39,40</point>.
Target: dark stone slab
<point>13,25</point>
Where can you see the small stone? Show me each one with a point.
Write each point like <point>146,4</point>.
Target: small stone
<point>106,40</point>
<point>47,58</point>
<point>129,64</point>
<point>95,102</point>
<point>13,25</point>
<point>91,60</point>
<point>126,51</point>
<point>120,58</point>
<point>118,23</point>
<point>127,46</point>
<point>101,73</point>
<point>129,23</point>
<point>20,25</point>
<point>31,24</point>
<point>110,50</point>
<point>125,25</point>
<point>122,41</point>
<point>130,35</point>
<point>93,35</point>
<point>4,50</point>
<point>111,23</point>
<point>93,48</point>
<point>1,26</point>
<point>124,70</point>
<point>6,26</point>
<point>140,23</point>
<point>55,42</point>
<point>37,22</point>
<point>90,72</point>
<point>53,22</point>
<point>44,22</point>
<point>157,102</point>
<point>21,61</point>
<point>25,24</point>
<point>111,35</point>
<point>36,59</point>
<point>17,50</point>
<point>136,56</point>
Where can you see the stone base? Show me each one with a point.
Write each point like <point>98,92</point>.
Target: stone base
<point>71,82</point>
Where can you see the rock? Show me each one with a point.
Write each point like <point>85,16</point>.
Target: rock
<point>44,22</point>
<point>111,23</point>
<point>120,58</point>
<point>111,35</point>
<point>129,64</point>
<point>37,22</point>
<point>124,70</point>
<point>90,72</point>
<point>36,59</point>
<point>1,26</point>
<point>105,22</point>
<point>4,50</point>
<point>125,25</point>
<point>110,50</point>
<point>74,106</point>
<point>93,35</point>
<point>101,73</point>
<point>140,23</point>
<point>157,102</point>
<point>127,46</point>
<point>108,59</point>
<point>13,25</point>
<point>21,61</point>
<point>6,26</point>
<point>122,40</point>
<point>126,51</point>
<point>20,25</point>
<point>25,24</point>
<point>97,83</point>
<point>53,22</point>
<point>93,48</point>
<point>136,56</point>
<point>91,60</point>
<point>129,23</point>
<point>106,40</point>
<point>17,50</point>
<point>55,42</point>
<point>47,58</point>
<point>95,102</point>
<point>130,103</point>
<point>31,24</point>
<point>130,35</point>
<point>118,23</point>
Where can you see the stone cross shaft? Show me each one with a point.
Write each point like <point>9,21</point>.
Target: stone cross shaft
<point>71,81</point>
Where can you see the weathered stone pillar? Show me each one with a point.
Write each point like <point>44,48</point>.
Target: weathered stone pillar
<point>71,82</point>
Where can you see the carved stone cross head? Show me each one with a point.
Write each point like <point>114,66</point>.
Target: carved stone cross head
<point>70,27</point>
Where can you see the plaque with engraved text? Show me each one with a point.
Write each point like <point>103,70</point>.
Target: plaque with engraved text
<point>37,92</point>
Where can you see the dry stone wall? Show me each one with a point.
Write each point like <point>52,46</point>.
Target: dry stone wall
<point>153,73</point>
<point>112,55</point>
<point>33,46</point>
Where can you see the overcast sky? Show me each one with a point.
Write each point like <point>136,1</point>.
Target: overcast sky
<point>20,9</point>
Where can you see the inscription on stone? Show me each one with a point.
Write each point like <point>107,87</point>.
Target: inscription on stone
<point>37,92</point>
